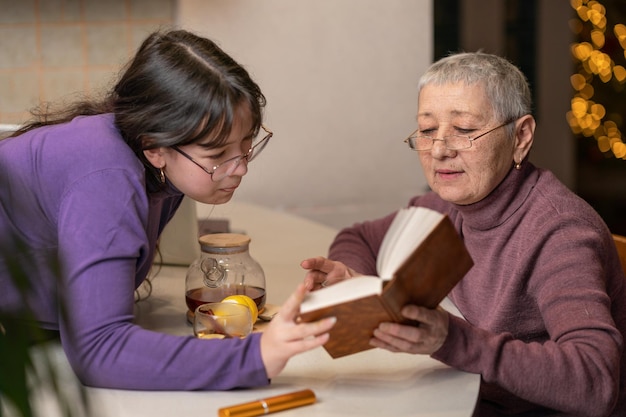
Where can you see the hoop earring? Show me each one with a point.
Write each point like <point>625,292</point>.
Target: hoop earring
<point>161,176</point>
<point>518,165</point>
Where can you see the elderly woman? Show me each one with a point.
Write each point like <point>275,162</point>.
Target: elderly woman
<point>544,305</point>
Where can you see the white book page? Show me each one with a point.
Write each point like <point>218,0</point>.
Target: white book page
<point>449,306</point>
<point>348,290</point>
<point>399,223</point>
<point>408,229</point>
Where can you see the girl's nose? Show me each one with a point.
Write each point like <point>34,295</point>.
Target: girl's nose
<point>242,167</point>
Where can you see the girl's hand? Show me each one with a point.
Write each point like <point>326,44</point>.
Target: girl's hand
<point>284,337</point>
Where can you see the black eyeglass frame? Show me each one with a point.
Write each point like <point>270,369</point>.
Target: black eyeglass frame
<point>412,137</point>
<point>235,161</point>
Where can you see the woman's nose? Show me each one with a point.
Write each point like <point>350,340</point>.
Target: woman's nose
<point>439,149</point>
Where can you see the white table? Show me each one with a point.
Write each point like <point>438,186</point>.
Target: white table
<point>371,383</point>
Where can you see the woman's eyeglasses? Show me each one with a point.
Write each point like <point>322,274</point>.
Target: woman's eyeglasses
<point>452,142</point>
<point>226,168</point>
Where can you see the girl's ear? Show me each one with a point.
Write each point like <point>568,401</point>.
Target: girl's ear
<point>155,157</point>
<point>524,136</point>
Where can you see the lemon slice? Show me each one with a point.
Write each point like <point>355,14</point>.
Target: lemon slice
<point>245,301</point>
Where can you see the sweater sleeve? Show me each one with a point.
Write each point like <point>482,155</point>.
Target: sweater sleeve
<point>102,236</point>
<point>572,362</point>
<point>358,246</point>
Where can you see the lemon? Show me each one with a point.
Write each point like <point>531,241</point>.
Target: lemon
<point>245,301</point>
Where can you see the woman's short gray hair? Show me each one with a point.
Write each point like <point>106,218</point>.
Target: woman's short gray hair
<point>505,85</point>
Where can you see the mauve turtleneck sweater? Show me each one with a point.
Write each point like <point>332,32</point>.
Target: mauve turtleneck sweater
<point>545,302</point>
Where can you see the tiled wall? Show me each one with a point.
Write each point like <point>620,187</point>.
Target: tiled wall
<point>51,50</point>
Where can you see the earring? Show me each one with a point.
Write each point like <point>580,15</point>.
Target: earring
<point>518,165</point>
<point>161,176</point>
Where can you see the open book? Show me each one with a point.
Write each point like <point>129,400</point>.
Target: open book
<point>421,259</point>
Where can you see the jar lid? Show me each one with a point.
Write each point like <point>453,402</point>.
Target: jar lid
<point>223,241</point>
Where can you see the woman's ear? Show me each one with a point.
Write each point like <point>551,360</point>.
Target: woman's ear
<point>524,136</point>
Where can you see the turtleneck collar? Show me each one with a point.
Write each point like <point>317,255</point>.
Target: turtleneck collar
<point>504,200</point>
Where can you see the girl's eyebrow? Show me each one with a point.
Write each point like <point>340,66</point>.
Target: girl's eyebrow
<point>210,145</point>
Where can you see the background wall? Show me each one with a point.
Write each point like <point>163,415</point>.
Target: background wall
<point>54,50</point>
<point>340,79</point>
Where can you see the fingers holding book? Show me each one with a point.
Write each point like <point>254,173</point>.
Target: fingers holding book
<point>426,338</point>
<point>323,272</point>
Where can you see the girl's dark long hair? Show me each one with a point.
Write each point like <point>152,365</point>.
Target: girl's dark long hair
<point>177,89</point>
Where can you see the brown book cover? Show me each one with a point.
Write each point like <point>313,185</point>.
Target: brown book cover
<point>425,277</point>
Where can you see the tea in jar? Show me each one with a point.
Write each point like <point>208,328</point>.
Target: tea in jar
<point>224,268</point>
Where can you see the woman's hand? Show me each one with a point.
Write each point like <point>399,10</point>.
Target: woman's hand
<point>323,272</point>
<point>426,338</point>
<point>284,338</point>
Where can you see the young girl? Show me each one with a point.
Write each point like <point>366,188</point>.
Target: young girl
<point>85,193</point>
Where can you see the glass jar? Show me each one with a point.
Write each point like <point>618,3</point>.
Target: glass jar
<point>224,268</point>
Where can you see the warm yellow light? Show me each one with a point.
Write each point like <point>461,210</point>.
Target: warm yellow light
<point>581,51</point>
<point>600,60</point>
<point>605,75</point>
<point>604,144</point>
<point>575,4</point>
<point>593,64</point>
<point>597,111</point>
<point>619,149</point>
<point>578,81</point>
<point>586,92</point>
<point>573,123</point>
<point>583,122</point>
<point>610,126</point>
<point>597,7</point>
<point>588,124</point>
<point>597,37</point>
<point>595,18</point>
<point>587,117</point>
<point>579,107</point>
<point>600,63</point>
<point>594,124</point>
<point>620,73</point>
<point>620,31</point>
<point>587,132</point>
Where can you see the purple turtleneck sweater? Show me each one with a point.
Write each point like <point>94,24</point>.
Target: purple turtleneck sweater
<point>75,196</point>
<point>544,304</point>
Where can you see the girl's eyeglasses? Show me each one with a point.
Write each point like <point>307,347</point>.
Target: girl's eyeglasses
<point>226,168</point>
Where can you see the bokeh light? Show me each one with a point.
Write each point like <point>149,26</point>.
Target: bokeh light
<point>587,117</point>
